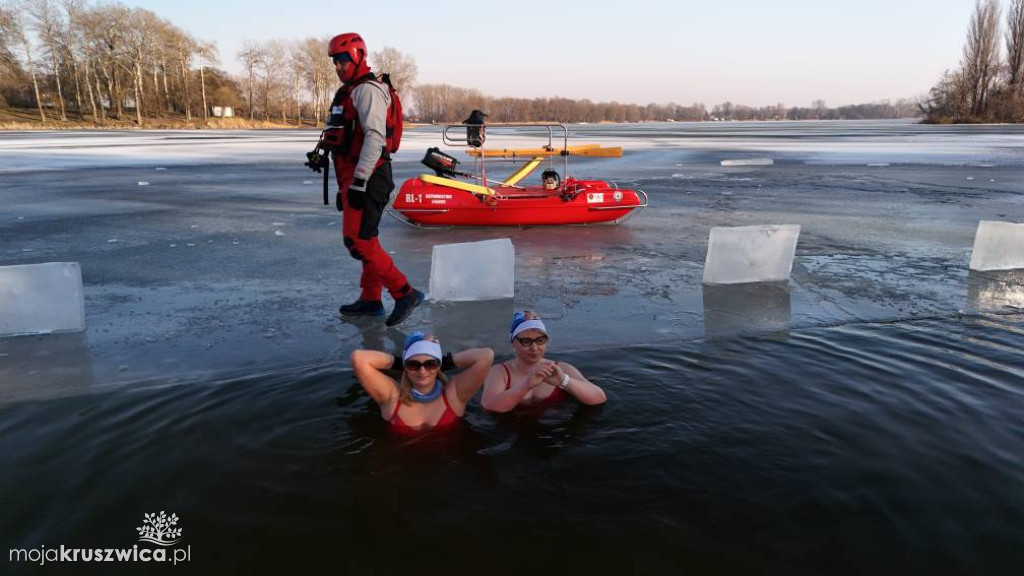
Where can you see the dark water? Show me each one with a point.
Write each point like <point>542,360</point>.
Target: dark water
<point>856,449</point>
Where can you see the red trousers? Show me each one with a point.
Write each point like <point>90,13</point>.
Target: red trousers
<point>379,270</point>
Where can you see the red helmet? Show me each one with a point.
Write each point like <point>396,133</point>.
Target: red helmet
<point>349,43</point>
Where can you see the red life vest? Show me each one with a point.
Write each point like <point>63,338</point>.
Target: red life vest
<point>350,142</point>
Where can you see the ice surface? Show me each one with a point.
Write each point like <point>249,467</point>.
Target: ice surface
<point>473,271</point>
<point>998,246</point>
<point>876,243</point>
<point>748,162</point>
<point>41,298</point>
<point>861,142</point>
<point>750,254</point>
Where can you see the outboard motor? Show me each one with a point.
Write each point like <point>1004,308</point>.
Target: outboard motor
<point>442,164</point>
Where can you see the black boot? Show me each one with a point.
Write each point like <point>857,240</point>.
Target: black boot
<point>404,306</point>
<point>363,308</point>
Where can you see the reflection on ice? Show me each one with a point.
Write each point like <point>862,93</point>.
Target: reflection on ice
<point>462,325</point>
<point>46,366</point>
<point>996,291</point>
<point>746,308</point>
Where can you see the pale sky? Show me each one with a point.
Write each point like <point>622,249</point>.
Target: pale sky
<point>637,51</point>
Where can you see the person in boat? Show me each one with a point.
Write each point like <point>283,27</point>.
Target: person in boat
<point>530,379</point>
<point>423,397</point>
<point>551,180</point>
<point>475,131</point>
<point>362,165</point>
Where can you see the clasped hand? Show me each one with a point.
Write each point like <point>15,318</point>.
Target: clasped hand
<point>545,372</point>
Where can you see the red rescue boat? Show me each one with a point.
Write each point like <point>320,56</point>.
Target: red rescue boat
<point>453,198</point>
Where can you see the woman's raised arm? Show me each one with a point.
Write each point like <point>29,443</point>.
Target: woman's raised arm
<point>368,366</point>
<point>476,361</point>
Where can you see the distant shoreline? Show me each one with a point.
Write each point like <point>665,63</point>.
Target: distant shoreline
<point>13,119</point>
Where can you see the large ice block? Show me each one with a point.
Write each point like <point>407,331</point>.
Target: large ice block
<point>41,298</point>
<point>998,246</point>
<point>750,254</point>
<point>473,271</point>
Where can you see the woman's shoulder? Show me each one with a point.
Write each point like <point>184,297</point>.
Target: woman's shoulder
<point>566,365</point>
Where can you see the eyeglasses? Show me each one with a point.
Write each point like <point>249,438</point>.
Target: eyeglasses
<point>527,342</point>
<point>343,58</point>
<point>415,365</point>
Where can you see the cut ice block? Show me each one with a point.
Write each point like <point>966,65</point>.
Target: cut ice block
<point>750,254</point>
<point>473,271</point>
<point>41,298</point>
<point>753,307</point>
<point>748,162</point>
<point>998,246</point>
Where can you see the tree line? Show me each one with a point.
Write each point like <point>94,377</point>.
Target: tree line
<point>988,85</point>
<point>106,61</point>
<point>443,103</point>
<point>68,58</point>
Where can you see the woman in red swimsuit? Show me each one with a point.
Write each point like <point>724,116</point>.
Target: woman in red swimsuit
<point>529,379</point>
<point>424,398</point>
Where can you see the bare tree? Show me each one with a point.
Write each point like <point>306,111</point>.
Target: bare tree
<point>319,73</point>
<point>207,52</point>
<point>401,67</point>
<point>140,36</point>
<point>49,27</point>
<point>17,29</point>
<point>275,78</point>
<point>296,73</point>
<point>1015,46</point>
<point>108,37</point>
<point>251,56</point>
<point>8,61</point>
<point>73,44</point>
<point>186,48</point>
<point>981,54</point>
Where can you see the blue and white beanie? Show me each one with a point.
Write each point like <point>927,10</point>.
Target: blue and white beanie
<point>521,324</point>
<point>416,345</point>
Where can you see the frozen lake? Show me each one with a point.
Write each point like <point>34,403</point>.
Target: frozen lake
<point>863,418</point>
<point>210,251</point>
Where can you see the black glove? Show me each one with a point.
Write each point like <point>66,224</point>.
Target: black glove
<point>357,193</point>
<point>337,201</point>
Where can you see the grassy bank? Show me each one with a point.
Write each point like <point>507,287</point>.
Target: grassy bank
<point>28,119</point>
